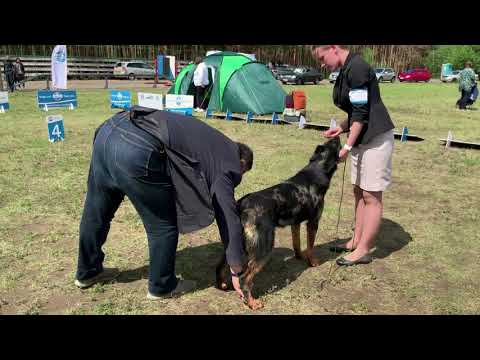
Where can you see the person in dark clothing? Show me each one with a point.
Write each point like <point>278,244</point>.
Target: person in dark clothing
<point>19,73</point>
<point>370,141</point>
<point>180,175</point>
<point>9,72</point>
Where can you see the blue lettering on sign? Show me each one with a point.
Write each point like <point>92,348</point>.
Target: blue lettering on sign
<point>183,111</point>
<point>120,99</point>
<point>56,99</point>
<point>60,56</point>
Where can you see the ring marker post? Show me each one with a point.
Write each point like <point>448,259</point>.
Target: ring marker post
<point>404,134</point>
<point>208,113</point>
<point>333,123</point>
<point>449,139</point>
<point>45,108</point>
<point>274,119</point>
<point>249,117</point>
<point>2,110</point>
<point>302,122</point>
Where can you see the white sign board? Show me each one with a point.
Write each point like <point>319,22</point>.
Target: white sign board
<point>4,101</point>
<point>152,101</point>
<point>178,101</point>
<point>3,97</point>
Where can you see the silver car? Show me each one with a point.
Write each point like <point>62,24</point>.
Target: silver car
<point>385,74</point>
<point>453,77</point>
<point>133,70</point>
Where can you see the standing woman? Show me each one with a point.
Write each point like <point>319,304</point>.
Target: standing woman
<point>370,142</point>
<point>19,73</point>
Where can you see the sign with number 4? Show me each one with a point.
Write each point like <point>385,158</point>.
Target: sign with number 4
<point>56,131</point>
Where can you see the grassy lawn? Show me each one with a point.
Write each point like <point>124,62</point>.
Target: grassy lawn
<point>426,260</point>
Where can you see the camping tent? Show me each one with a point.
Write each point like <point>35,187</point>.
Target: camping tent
<point>237,84</point>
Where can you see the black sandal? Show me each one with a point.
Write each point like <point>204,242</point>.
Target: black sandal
<point>365,259</point>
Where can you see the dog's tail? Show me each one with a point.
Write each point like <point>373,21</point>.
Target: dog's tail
<point>259,234</point>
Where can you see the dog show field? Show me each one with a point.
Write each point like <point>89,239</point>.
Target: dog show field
<point>427,259</point>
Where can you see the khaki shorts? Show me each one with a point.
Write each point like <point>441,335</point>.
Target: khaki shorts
<point>372,163</point>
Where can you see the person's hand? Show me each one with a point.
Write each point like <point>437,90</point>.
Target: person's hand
<point>331,133</point>
<point>236,281</point>
<point>342,155</point>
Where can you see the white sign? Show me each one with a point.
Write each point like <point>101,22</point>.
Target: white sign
<point>4,101</point>
<point>3,97</point>
<point>152,101</point>
<point>179,101</point>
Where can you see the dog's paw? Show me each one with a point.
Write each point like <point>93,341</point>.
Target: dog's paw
<point>222,285</point>
<point>312,261</point>
<point>255,304</point>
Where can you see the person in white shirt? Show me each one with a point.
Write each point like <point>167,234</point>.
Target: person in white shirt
<point>200,80</point>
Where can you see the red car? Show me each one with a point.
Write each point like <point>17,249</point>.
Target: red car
<point>416,74</point>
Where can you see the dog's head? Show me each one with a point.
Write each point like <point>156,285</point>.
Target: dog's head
<point>326,155</point>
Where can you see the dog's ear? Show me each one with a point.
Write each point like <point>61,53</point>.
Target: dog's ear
<point>317,152</point>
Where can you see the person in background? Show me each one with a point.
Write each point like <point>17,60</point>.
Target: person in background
<point>466,83</point>
<point>19,73</point>
<point>9,72</point>
<point>200,80</point>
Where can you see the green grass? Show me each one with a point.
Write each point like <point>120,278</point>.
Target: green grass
<point>427,256</point>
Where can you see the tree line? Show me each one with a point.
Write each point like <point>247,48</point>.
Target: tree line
<point>398,57</point>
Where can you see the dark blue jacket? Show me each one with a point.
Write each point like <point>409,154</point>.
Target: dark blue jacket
<point>204,166</point>
<point>357,74</point>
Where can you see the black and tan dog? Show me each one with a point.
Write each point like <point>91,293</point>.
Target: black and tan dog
<point>298,199</point>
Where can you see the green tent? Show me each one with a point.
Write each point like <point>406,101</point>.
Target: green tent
<point>237,84</point>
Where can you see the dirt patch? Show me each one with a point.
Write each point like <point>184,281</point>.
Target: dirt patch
<point>58,304</point>
<point>37,228</point>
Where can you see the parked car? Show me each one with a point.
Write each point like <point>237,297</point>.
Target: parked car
<point>453,77</point>
<point>277,70</point>
<point>416,74</point>
<point>385,74</point>
<point>133,70</point>
<point>301,76</point>
<point>282,71</point>
<point>333,76</point>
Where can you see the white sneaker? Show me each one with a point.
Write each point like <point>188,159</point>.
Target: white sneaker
<point>183,287</point>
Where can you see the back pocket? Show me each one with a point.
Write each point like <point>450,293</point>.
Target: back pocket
<point>132,157</point>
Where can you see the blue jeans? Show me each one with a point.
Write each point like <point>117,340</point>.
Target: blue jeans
<point>126,160</point>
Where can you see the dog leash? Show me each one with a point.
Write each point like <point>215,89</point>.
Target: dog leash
<point>336,232</point>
